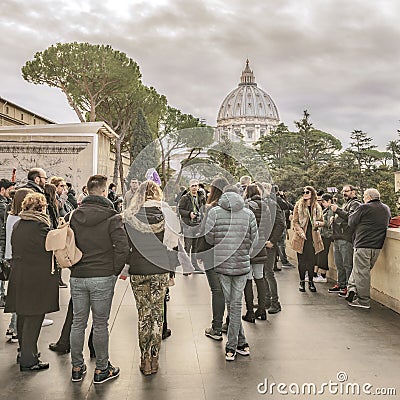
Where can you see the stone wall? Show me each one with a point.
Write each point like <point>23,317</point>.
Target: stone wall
<point>385,276</point>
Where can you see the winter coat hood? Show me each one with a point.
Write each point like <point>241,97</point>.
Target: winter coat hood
<point>231,201</point>
<point>94,210</point>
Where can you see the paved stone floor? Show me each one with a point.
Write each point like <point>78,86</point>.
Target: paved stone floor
<point>314,338</point>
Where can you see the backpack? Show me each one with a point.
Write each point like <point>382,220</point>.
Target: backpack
<point>61,242</point>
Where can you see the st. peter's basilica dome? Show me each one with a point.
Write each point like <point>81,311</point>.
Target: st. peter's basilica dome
<point>247,111</point>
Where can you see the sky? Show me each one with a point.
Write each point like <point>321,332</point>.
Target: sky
<point>339,59</point>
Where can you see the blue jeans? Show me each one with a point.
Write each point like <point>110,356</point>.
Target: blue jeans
<point>233,288</point>
<point>217,296</point>
<point>94,294</point>
<point>343,256</point>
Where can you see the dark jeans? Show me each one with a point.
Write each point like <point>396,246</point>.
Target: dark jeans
<point>306,262</point>
<point>29,327</point>
<point>64,339</point>
<point>217,295</point>
<point>269,276</point>
<point>281,247</point>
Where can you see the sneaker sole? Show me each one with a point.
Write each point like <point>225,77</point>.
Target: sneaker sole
<point>78,380</point>
<point>230,358</point>
<point>219,338</point>
<point>243,353</point>
<point>107,379</point>
<point>358,306</point>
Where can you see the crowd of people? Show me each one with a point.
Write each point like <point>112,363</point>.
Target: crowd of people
<point>234,233</point>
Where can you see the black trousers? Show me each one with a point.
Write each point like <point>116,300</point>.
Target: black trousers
<point>66,330</point>
<point>28,328</point>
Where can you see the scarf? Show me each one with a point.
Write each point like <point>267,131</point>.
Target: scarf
<point>304,216</point>
<point>170,224</point>
<point>35,216</point>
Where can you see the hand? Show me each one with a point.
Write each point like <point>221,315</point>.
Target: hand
<point>334,207</point>
<point>269,245</point>
<point>192,215</point>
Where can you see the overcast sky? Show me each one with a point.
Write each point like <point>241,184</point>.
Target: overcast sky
<point>339,59</point>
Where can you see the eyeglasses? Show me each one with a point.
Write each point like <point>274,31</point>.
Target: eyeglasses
<point>194,185</point>
<point>43,177</point>
<point>306,192</point>
<point>345,191</point>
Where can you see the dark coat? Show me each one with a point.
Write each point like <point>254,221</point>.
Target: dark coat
<point>185,207</point>
<point>341,229</point>
<point>32,289</point>
<point>370,222</point>
<point>100,235</point>
<point>263,218</point>
<point>148,255</point>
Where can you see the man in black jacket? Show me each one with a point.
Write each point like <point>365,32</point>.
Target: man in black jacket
<point>343,239</point>
<point>190,210</point>
<point>277,215</point>
<point>370,222</point>
<point>100,235</point>
<point>37,178</point>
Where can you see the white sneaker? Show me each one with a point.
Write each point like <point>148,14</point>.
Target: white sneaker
<point>47,322</point>
<point>320,279</point>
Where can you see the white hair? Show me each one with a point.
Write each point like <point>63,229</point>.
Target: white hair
<point>373,193</point>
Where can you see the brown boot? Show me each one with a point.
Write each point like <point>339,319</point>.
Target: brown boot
<point>154,364</point>
<point>145,366</point>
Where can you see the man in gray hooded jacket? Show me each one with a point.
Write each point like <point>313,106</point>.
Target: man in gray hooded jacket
<point>232,229</point>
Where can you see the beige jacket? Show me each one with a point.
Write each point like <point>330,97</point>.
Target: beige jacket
<point>300,222</point>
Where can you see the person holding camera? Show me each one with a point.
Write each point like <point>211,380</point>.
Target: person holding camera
<point>190,210</point>
<point>307,241</point>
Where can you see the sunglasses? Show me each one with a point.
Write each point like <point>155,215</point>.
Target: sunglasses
<point>306,192</point>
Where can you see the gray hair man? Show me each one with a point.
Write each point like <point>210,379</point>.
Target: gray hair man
<point>370,222</point>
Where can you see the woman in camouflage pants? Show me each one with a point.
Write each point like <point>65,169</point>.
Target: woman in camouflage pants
<point>149,269</point>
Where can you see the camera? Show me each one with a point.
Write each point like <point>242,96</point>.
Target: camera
<point>197,218</point>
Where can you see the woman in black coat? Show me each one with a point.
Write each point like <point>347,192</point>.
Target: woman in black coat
<point>262,213</point>
<point>33,286</point>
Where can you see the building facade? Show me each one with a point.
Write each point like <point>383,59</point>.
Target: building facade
<point>12,114</point>
<point>247,112</point>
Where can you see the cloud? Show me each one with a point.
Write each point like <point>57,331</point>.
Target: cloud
<point>338,59</point>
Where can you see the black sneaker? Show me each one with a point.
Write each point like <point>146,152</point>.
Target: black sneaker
<point>213,334</point>
<point>335,289</point>
<point>101,376</point>
<point>243,350</point>
<point>77,376</point>
<point>350,296</point>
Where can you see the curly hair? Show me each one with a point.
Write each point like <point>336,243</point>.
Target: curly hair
<point>56,180</point>
<point>34,202</point>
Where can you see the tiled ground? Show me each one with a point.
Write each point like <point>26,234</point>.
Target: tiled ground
<point>315,337</point>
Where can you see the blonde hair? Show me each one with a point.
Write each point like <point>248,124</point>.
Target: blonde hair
<point>34,202</point>
<point>148,190</point>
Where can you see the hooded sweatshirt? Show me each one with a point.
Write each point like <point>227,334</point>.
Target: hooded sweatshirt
<point>100,235</point>
<point>232,229</point>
